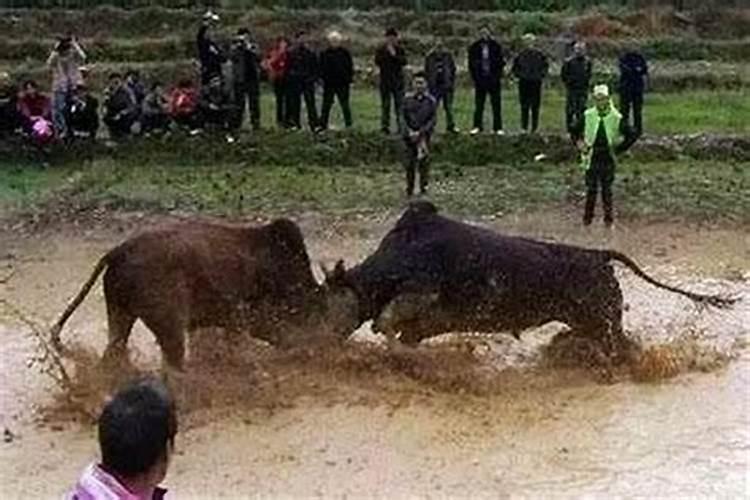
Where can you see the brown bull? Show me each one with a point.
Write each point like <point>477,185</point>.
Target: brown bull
<point>195,274</point>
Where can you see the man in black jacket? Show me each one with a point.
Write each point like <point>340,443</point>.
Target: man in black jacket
<point>440,69</point>
<point>337,71</point>
<point>120,109</point>
<point>530,67</point>
<point>486,65</point>
<point>210,55</point>
<point>576,76</point>
<point>420,114</point>
<point>245,80</point>
<point>633,80</point>
<point>390,59</point>
<point>83,113</point>
<point>301,77</point>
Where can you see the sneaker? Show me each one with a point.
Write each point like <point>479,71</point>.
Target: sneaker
<point>475,131</point>
<point>231,140</point>
<point>500,132</point>
<point>453,130</point>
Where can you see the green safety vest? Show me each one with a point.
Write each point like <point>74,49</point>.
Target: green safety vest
<point>611,128</point>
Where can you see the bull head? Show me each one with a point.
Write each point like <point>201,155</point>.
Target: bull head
<point>342,303</point>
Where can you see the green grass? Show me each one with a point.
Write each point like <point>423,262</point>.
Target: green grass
<point>694,190</point>
<point>664,114</point>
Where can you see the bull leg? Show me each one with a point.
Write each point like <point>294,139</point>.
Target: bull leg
<point>169,330</point>
<point>119,325</point>
<point>404,314</point>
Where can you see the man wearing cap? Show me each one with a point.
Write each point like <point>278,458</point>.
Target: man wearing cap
<point>530,67</point>
<point>597,141</point>
<point>337,72</point>
<point>576,75</point>
<point>390,59</point>
<point>211,57</point>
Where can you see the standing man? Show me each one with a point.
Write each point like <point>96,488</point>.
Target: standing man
<point>245,79</point>
<point>301,77</point>
<point>576,76</point>
<point>276,64</point>
<point>530,67</point>
<point>440,69</point>
<point>486,65</point>
<point>210,56</point>
<point>337,71</point>
<point>65,61</point>
<point>390,59</point>
<point>420,114</point>
<point>603,127</point>
<point>633,82</point>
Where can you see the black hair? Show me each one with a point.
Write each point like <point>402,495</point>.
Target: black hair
<point>31,83</point>
<point>132,72</point>
<point>391,32</point>
<point>114,75</point>
<point>185,83</point>
<point>243,31</point>
<point>154,84</point>
<point>300,33</point>
<point>420,74</point>
<point>136,427</point>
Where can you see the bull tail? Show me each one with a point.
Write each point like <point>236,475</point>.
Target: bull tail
<point>719,301</point>
<point>73,305</point>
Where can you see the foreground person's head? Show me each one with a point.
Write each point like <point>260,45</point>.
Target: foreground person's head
<point>137,430</point>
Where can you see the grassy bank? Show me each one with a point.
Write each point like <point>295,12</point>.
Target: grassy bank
<point>706,190</point>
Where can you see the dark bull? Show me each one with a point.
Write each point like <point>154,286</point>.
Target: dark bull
<point>432,275</point>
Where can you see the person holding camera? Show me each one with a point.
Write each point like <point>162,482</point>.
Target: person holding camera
<point>245,79</point>
<point>65,61</point>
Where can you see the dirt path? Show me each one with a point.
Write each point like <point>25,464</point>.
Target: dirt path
<point>376,428</point>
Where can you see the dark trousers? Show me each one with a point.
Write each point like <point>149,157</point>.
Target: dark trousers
<point>632,99</point>
<point>246,96</point>
<point>601,175</point>
<point>388,94</point>
<point>414,164</point>
<point>215,118</point>
<point>154,121</point>
<point>342,94</point>
<point>280,92</point>
<point>297,90</point>
<point>575,107</point>
<point>445,97</point>
<point>480,96</point>
<point>120,127</point>
<point>530,95</point>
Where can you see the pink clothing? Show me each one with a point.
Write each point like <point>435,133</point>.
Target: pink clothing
<point>96,484</point>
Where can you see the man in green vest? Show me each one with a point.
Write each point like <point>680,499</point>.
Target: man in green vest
<point>604,136</point>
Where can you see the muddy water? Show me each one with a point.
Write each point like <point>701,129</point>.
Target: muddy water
<point>540,433</point>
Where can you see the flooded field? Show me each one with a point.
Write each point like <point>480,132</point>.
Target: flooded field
<point>464,416</point>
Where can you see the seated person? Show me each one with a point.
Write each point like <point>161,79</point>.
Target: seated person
<point>10,119</point>
<point>155,110</point>
<point>35,111</point>
<point>215,104</point>
<point>83,113</point>
<point>137,430</point>
<point>120,111</point>
<point>183,105</point>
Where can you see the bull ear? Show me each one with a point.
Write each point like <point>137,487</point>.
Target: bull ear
<point>340,269</point>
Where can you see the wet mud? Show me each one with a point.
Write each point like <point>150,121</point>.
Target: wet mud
<point>460,415</point>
